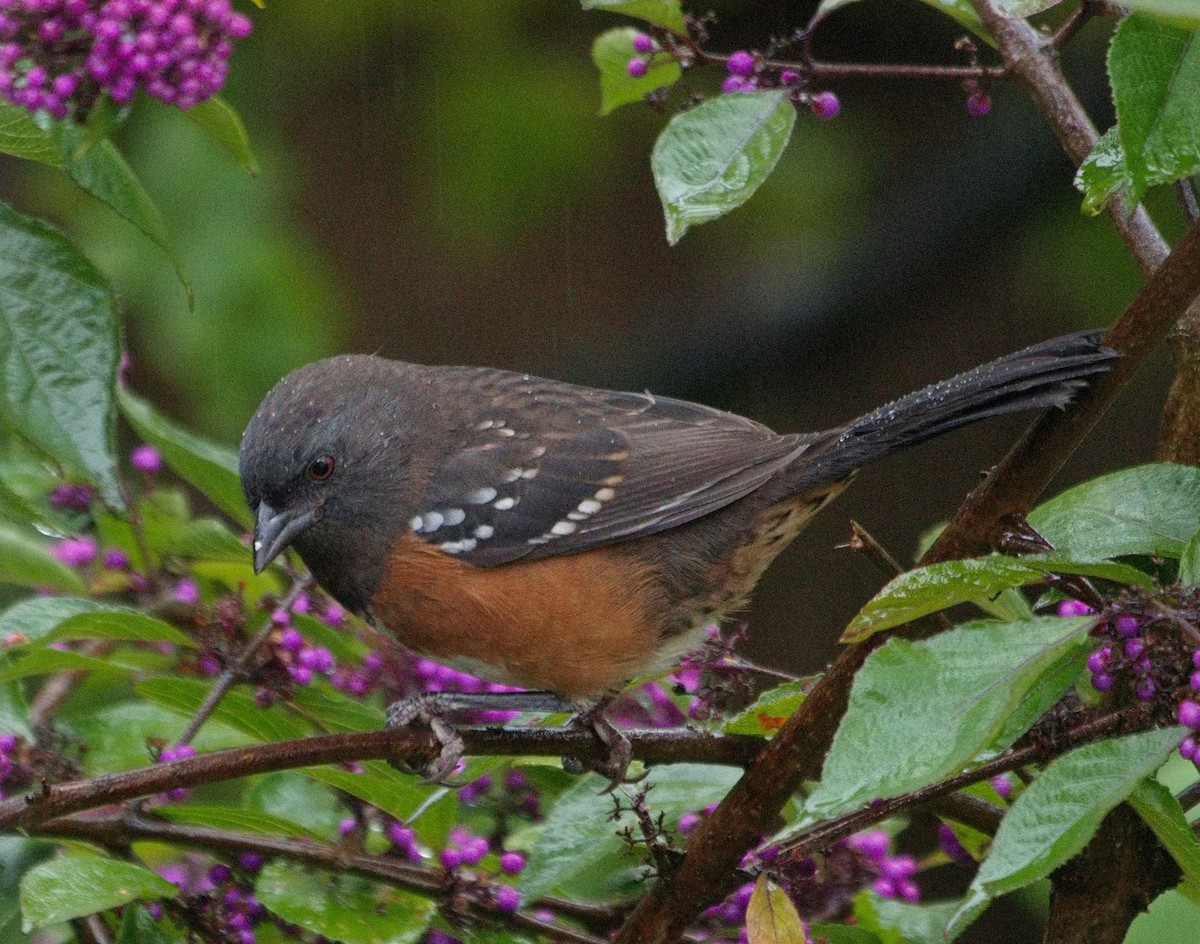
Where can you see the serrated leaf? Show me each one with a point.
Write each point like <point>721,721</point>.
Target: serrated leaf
<point>342,907</point>
<point>710,159</point>
<point>221,122</point>
<point>1154,68</point>
<point>238,819</point>
<point>611,53</point>
<point>935,587</point>
<point>25,561</point>
<point>1157,806</point>
<point>770,710</point>
<point>666,13</point>
<point>1150,509</point>
<point>212,470</point>
<point>99,168</point>
<point>945,699</point>
<point>76,885</point>
<point>1056,815</point>
<point>577,835</point>
<point>771,918</point>
<point>21,137</point>
<point>121,624</point>
<point>1181,13</point>
<point>58,350</point>
<point>1102,173</point>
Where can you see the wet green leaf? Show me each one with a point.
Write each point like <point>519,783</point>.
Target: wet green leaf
<point>666,13</point>
<point>76,885</point>
<point>221,122</point>
<point>611,53</point>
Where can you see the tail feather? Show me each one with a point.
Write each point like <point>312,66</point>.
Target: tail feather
<point>1045,375</point>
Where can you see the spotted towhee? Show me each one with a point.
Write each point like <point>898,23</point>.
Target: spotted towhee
<point>562,538</point>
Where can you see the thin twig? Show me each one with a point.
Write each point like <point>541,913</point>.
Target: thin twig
<point>1074,23</point>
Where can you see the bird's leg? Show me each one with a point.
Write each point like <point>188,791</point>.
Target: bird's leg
<point>431,708</point>
<point>620,752</point>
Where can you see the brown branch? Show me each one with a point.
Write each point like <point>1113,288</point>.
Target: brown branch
<point>1179,437</point>
<point>652,747</point>
<point>118,832</point>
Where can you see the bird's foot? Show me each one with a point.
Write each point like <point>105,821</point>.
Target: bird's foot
<point>620,752</point>
<point>429,709</point>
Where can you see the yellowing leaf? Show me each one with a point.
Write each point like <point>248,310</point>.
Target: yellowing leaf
<point>771,917</point>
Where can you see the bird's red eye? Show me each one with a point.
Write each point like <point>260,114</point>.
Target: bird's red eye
<point>320,468</point>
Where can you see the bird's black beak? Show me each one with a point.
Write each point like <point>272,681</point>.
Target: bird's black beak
<point>275,530</point>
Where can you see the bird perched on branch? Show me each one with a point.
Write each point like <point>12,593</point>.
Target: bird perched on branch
<point>561,538</point>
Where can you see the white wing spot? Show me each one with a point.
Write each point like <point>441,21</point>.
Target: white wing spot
<point>529,473</point>
<point>505,431</point>
<point>486,424</point>
<point>513,474</point>
<point>539,452</point>
<point>589,506</point>
<point>484,531</point>
<point>455,516</point>
<point>503,504</point>
<point>576,516</point>
<point>416,523</point>
<point>562,528</point>
<point>606,494</point>
<point>458,547</point>
<point>481,496</point>
<point>433,521</point>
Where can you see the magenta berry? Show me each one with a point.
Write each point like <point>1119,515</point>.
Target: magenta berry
<point>1134,648</point>
<point>637,68</point>
<point>1189,713</point>
<point>741,63</point>
<point>451,858</point>
<point>76,552</point>
<point>186,592</point>
<point>1102,682</point>
<point>789,77</point>
<point>146,459</point>
<point>825,105</point>
<point>643,43</point>
<point>1074,608</point>
<point>735,83</point>
<point>512,862</point>
<point>1098,660</point>
<point>1188,748</point>
<point>979,104</point>
<point>508,899</point>
<point>1127,626</point>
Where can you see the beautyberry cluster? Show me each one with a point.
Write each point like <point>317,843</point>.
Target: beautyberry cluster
<point>60,55</point>
<point>219,901</point>
<point>1125,653</point>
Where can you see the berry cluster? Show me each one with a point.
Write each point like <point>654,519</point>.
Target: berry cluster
<point>220,902</point>
<point>1124,655</point>
<point>60,55</point>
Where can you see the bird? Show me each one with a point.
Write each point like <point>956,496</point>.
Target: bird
<point>561,538</point>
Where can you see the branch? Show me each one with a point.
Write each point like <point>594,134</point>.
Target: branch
<point>652,747</point>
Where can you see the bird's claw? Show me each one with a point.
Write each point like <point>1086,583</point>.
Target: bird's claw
<point>620,751</point>
<point>426,709</point>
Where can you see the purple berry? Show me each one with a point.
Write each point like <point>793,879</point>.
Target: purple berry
<point>116,560</point>
<point>75,552</point>
<point>688,822</point>
<point>219,874</point>
<point>978,104</point>
<point>1189,713</point>
<point>1194,681</point>
<point>642,43</point>
<point>474,849</point>
<point>741,63</point>
<point>250,861</point>
<point>1102,682</point>
<point>734,84</point>
<point>637,68</point>
<point>1127,626</point>
<point>1134,648</point>
<point>508,899</point>
<point>1002,785</point>
<point>1074,608</point>
<point>1145,689</point>
<point>8,743</point>
<point>512,862</point>
<point>874,844</point>
<point>146,459</point>
<point>1098,660</point>
<point>789,77</point>
<point>1188,748</point>
<point>186,592</point>
<point>451,858</point>
<point>347,826</point>
<point>290,640</point>
<point>1196,659</point>
<point>825,105</point>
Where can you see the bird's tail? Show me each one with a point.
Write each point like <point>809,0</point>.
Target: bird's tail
<point>1047,374</point>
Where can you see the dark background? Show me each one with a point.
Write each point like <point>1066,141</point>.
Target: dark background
<point>436,185</point>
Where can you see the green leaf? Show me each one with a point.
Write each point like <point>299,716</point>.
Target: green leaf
<point>1157,806</point>
<point>21,137</point>
<point>901,922</point>
<point>1181,13</point>
<point>926,590</point>
<point>237,709</point>
<point>345,646</point>
<point>611,53</point>
<point>212,470</point>
<point>342,907</point>
<point>958,10</point>
<point>286,794</point>
<point>58,350</point>
<point>770,710</point>
<point>1171,919</point>
<point>36,617</point>
<point>119,623</point>
<point>138,927</point>
<point>710,159</point>
<point>842,934</point>
<point>335,712</point>
<point>1102,173</point>
<point>209,539</point>
<point>49,661</point>
<point>26,562</point>
<point>1155,72</point>
<point>665,13</point>
<point>99,169</point>
<point>221,122</point>
<point>578,835</point>
<point>14,713</point>
<point>1057,814</point>
<point>1189,563</point>
<point>945,699</point>
<point>1150,509</point>
<point>238,820</point>
<point>771,918</point>
<point>1019,9</point>
<point>76,885</point>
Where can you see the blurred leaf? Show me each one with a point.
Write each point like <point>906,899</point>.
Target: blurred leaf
<point>1189,563</point>
<point>237,819</point>
<point>770,710</point>
<point>36,617</point>
<point>58,349</point>
<point>345,646</point>
<point>1058,813</point>
<point>237,709</point>
<point>399,795</point>
<point>119,623</point>
<point>842,934</point>
<point>213,471</point>
<point>1182,13</point>
<point>76,885</point>
<point>1150,509</point>
<point>14,713</point>
<point>99,168</point>
<point>666,13</point>
<point>335,711</point>
<point>710,159</point>
<point>221,122</point>
<point>771,918</point>
<point>1157,806</point>
<point>959,10</point>
<point>902,922</point>
<point>26,562</point>
<point>1155,72</point>
<point>1019,9</point>
<point>343,907</point>
<point>926,590</point>
<point>578,837</point>
<point>21,137</point>
<point>10,922</point>
<point>138,927</point>
<point>611,53</point>
<point>48,661</point>
<point>1171,919</point>
<point>1102,173</point>
<point>210,539</point>
<point>286,794</point>
<point>945,699</point>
